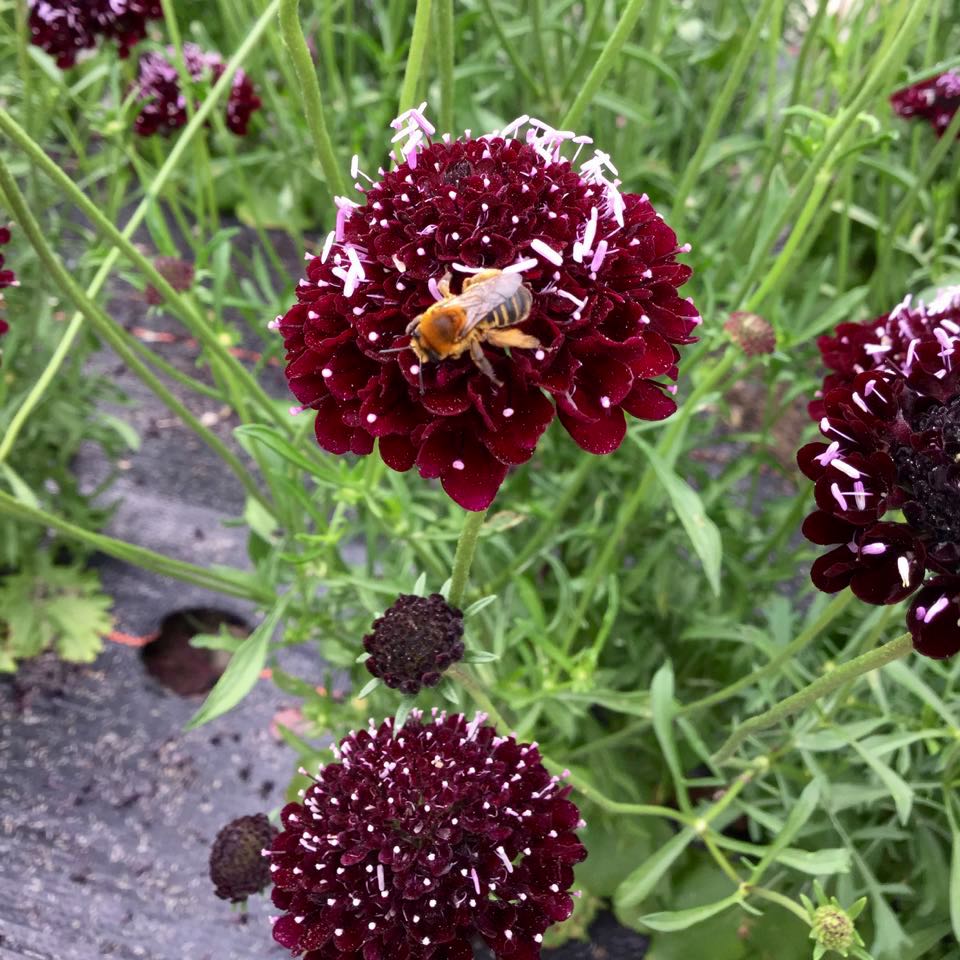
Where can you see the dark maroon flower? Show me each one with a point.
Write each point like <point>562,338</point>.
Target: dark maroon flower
<point>908,341</point>
<point>606,316</point>
<point>414,642</point>
<point>65,27</point>
<point>935,100</point>
<point>178,273</point>
<point>417,841</point>
<point>893,444</point>
<point>237,865</point>
<point>165,104</point>
<point>7,278</point>
<point>751,333</point>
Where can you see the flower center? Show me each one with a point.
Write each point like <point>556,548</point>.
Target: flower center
<point>930,475</point>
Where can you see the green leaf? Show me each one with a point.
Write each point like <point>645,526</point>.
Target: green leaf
<point>478,605</point>
<point>368,688</point>
<point>480,656</point>
<point>800,812</point>
<point>954,864</point>
<point>702,531</point>
<point>403,711</point>
<point>122,429</point>
<point>21,490</point>
<point>243,669</point>
<point>668,921</point>
<point>663,708</point>
<point>639,884</point>
<point>899,789</point>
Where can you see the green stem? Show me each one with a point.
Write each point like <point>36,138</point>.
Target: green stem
<point>463,558</point>
<point>833,610</point>
<point>493,20</point>
<point>464,676</point>
<point>140,556</point>
<point>114,335</point>
<point>539,46</point>
<point>445,56</point>
<point>608,59</point>
<point>780,899</point>
<point>415,56</point>
<point>310,88</point>
<point>151,193</point>
<point>192,317</point>
<point>720,110</point>
<point>872,660</point>
<point>802,195</point>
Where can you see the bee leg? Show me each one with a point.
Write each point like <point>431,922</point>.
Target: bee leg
<point>482,363</point>
<point>412,325</point>
<point>443,284</point>
<point>480,277</point>
<point>510,337</point>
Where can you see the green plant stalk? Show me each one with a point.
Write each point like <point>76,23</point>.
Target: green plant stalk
<point>462,674</point>
<point>463,558</point>
<point>186,83</point>
<point>608,59</point>
<point>540,49</point>
<point>182,306</point>
<point>802,194</point>
<point>22,27</point>
<point>310,87</point>
<point>582,59</point>
<point>334,81</point>
<point>509,49</point>
<point>415,56</point>
<point>777,898</point>
<point>904,208</point>
<point>445,56</point>
<point>719,111</point>
<point>107,329</point>
<point>801,642</point>
<point>140,556</point>
<point>150,196</point>
<point>836,678</point>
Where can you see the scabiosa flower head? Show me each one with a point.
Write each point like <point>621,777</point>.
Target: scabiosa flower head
<point>65,27</point>
<point>935,100</point>
<point>418,840</point>
<point>751,333</point>
<point>178,273</point>
<point>238,867</point>
<point>893,444</point>
<point>414,642</point>
<point>165,104</point>
<point>597,269</point>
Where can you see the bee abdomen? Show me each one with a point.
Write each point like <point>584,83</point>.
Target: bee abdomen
<point>514,310</point>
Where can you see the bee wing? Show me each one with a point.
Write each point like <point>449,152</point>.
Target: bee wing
<point>480,300</point>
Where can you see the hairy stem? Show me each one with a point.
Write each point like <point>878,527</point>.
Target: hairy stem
<point>463,558</point>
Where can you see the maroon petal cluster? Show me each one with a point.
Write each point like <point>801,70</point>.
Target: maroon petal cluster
<point>65,27</point>
<point>178,273</point>
<point>935,100</point>
<point>412,644</point>
<point>164,107</point>
<point>418,841</point>
<point>893,444</point>
<point>237,866</point>
<point>7,277</point>
<point>602,269</point>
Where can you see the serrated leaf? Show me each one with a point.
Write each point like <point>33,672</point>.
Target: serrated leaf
<point>243,669</point>
<point>702,532</point>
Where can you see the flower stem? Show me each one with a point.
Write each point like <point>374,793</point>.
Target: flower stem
<point>233,583</point>
<point>114,335</point>
<point>493,21</point>
<point>872,660</point>
<point>720,110</point>
<point>151,192</point>
<point>312,100</point>
<point>608,58</point>
<point>445,56</point>
<point>416,55</point>
<point>803,639</point>
<point>188,312</point>
<point>464,676</point>
<point>463,558</point>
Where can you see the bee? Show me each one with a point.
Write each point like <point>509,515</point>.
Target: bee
<point>490,305</point>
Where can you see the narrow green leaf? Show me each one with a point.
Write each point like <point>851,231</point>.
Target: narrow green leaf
<point>21,490</point>
<point>954,864</point>
<point>702,531</point>
<point>668,921</point>
<point>403,711</point>
<point>639,884</point>
<point>368,687</point>
<point>478,605</point>
<point>242,670</point>
<point>800,813</point>
<point>663,708</point>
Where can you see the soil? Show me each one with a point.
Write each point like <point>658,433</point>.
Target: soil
<point>108,807</point>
